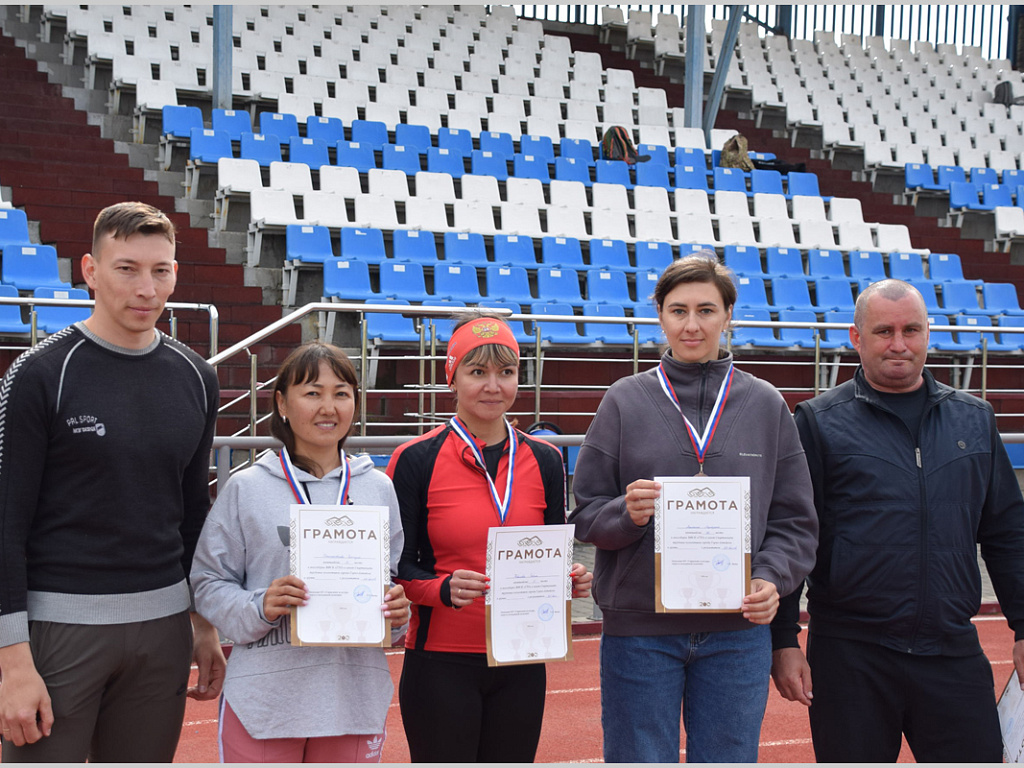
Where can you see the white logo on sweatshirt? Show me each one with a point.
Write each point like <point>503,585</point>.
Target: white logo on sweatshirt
<point>86,423</point>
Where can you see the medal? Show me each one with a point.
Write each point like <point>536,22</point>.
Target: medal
<point>299,492</point>
<point>700,442</point>
<point>502,506</point>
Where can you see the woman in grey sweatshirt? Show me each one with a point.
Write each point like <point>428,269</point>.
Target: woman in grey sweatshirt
<point>713,666</point>
<point>284,703</point>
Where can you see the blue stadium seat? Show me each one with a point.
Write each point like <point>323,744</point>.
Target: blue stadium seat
<point>234,122</point>
<point>943,340</point>
<point>606,333</point>
<point>826,263</point>
<point>443,326</point>
<point>372,132</point>
<point>963,196</point>
<point>562,285</point>
<point>992,341</point>
<point>515,250</point>
<point>178,121</point>
<point>538,146</point>
<point>413,136</point>
<point>564,252</point>
<point>612,172</point>
<point>497,141</point>
<point>444,160</point>
<point>652,174</point>
<point>979,177</point>
<point>578,149</point>
<point>651,257</point>
<point>730,179</point>
<point>947,267</point>
<point>457,282</point>
<point>208,145</point>
<point>691,177</point>
<point>572,169</point>
<point>657,152</point>
<point>311,151</point>
<point>263,148</point>
<point>363,243</point>
<point>743,260</point>
<point>10,314</point>
<point>30,266</point>
<point>307,243</point>
<point>353,154</point>
<point>396,158</point>
<point>927,289</point>
<point>799,183</point>
<point>348,280</point>
<point>645,284</point>
<point>785,262</point>
<point>921,176</point>
<point>509,284</point>
<point>757,336</point>
<point>530,167</point>
<point>751,294</point>
<point>766,180</point>
<point>840,337</point>
<point>403,281</point>
<point>391,327</point>
<point>613,254</point>
<point>282,125</point>
<point>993,195</point>
<point>518,326</point>
<point>13,226</point>
<point>330,129</point>
<point>484,163</point>
<point>559,332</point>
<point>962,299</point>
<point>791,293</point>
<point>608,287</point>
<point>867,265</point>
<point>414,245</point>
<point>648,334</point>
<point>458,140</point>
<point>907,266</point>
<point>690,156</point>
<point>947,174</point>
<point>1012,177</point>
<point>802,337</point>
<point>1001,297</point>
<point>53,319</point>
<point>688,249</point>
<point>465,248</point>
<point>833,295</point>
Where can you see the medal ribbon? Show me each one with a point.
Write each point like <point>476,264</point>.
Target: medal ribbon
<point>299,492</point>
<point>700,442</point>
<point>502,507</point>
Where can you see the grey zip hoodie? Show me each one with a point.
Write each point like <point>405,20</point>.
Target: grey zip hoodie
<point>278,690</point>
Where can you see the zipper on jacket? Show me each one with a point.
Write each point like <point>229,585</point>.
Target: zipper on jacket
<point>922,591</point>
<point>701,394</point>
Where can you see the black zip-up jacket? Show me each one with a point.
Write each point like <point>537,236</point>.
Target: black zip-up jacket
<point>900,518</point>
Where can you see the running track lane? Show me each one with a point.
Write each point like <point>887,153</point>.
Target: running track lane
<point>572,722</point>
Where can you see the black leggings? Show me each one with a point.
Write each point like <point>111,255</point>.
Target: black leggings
<point>456,709</point>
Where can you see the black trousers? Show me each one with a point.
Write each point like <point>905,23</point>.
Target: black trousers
<point>866,697</point>
<point>456,709</point>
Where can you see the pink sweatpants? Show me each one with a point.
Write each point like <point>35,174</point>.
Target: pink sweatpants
<point>237,746</point>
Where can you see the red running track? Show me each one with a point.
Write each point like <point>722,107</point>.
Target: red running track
<point>572,722</point>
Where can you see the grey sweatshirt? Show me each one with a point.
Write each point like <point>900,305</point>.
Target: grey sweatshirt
<point>276,689</point>
<point>638,433</point>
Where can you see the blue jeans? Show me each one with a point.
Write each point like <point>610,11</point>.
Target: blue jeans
<point>718,679</point>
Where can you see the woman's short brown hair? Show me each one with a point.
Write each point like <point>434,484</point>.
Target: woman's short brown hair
<point>701,267</point>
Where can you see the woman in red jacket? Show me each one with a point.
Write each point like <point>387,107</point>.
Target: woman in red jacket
<point>453,484</point>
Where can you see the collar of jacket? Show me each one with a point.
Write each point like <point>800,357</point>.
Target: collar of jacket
<point>863,391</point>
<point>684,375</point>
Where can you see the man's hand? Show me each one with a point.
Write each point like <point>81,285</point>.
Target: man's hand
<point>209,658</point>
<point>792,675</point>
<point>26,714</point>
<point>759,606</point>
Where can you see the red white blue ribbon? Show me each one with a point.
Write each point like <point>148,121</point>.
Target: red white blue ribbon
<point>300,492</point>
<point>699,441</point>
<point>500,505</point>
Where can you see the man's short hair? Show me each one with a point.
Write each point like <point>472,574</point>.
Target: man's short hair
<point>122,220</point>
<point>890,289</point>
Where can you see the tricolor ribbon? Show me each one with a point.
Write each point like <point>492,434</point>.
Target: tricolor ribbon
<point>299,492</point>
<point>502,506</point>
<point>699,441</point>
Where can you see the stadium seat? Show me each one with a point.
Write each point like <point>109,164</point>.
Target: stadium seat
<point>691,177</point>
<point>561,252</point>
<point>311,151</point>
<point>414,137</point>
<point>731,179</point>
<point>785,262</point>
<point>1001,297</point>
<point>465,248</point>
<point>803,337</point>
<point>833,295</point>
<point>509,284</point>
<point>497,141</point>
<point>51,319</point>
<point>399,158</point>
<point>264,149</point>
<point>415,246</point>
<point>947,267</point>
<point>306,243</point>
<point>563,285</point>
<point>540,147</point>
<point>651,257</point>
<point>457,282</point>
<point>906,266</point>
<point>943,341</point>
<point>606,333</point>
<point>348,281</point>
<point>612,172</point>
<point>514,250</point>
<point>13,227</point>
<point>403,280</point>
<point>610,254</point>
<point>484,163</point>
<point>234,122</point>
<point>766,181</point>
<point>962,299</point>
<point>391,326</point>
<point>362,243</point>
<point>826,263</point>
<point>751,294</point>
<point>927,289</point>
<point>558,332</point>
<point>284,126</point>
<point>330,129</point>
<point>572,169</point>
<point>756,336</point>
<point>354,154</point>
<point>577,149</point>
<point>836,336</point>
<point>992,342</point>
<point>371,132</point>
<point>457,140</point>
<point>608,287</point>
<point>799,183</point>
<point>791,293</point>
<point>744,260</point>
<point>444,160</point>
<point>10,314</point>
<point>867,266</point>
<point>31,266</point>
<point>652,174</point>
<point>518,326</point>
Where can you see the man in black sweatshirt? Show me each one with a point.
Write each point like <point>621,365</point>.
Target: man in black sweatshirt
<point>105,436</point>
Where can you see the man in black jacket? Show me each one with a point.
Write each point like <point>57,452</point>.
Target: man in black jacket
<point>909,476</point>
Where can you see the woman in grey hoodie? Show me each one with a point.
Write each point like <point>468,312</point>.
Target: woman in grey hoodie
<point>692,414</point>
<point>284,703</point>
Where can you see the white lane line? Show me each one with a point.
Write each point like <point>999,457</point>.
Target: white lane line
<point>198,722</point>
